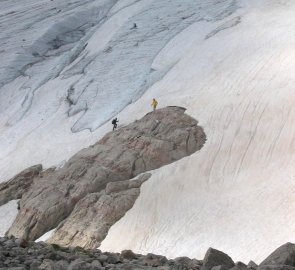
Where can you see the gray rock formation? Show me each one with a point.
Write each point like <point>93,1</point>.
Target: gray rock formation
<point>54,257</point>
<point>51,256</point>
<point>15,255</point>
<point>252,265</point>
<point>93,216</point>
<point>239,266</point>
<point>284,255</point>
<point>186,263</point>
<point>219,267</point>
<point>157,139</point>
<point>215,257</point>
<point>128,255</point>
<point>18,185</point>
<point>276,267</point>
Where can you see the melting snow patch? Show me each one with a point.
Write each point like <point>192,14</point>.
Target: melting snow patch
<point>46,236</point>
<point>8,213</point>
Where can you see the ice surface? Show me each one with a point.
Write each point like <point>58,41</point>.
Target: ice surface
<point>45,236</point>
<point>8,213</point>
<point>69,66</point>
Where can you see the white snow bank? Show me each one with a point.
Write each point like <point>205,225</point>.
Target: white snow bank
<point>8,213</point>
<point>46,236</point>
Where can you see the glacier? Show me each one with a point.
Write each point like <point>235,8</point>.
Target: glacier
<point>68,67</point>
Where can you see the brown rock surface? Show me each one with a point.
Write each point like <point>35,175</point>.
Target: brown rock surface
<point>157,139</point>
<point>18,185</point>
<point>93,216</point>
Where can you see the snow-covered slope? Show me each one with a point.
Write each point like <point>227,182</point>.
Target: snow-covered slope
<point>71,66</point>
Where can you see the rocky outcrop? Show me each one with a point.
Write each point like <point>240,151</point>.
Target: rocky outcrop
<point>283,257</point>
<point>93,216</point>
<point>215,257</point>
<point>252,265</point>
<point>18,185</point>
<point>24,255</point>
<point>157,139</point>
<point>54,257</point>
<point>239,266</point>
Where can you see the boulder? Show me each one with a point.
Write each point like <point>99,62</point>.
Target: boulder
<point>159,138</point>
<point>276,267</point>
<point>154,260</point>
<point>239,266</point>
<point>252,265</point>
<point>128,254</point>
<point>78,264</point>
<point>215,257</point>
<point>284,255</point>
<point>187,263</point>
<point>219,267</point>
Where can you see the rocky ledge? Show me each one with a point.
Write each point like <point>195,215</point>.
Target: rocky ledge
<point>17,254</point>
<point>99,184</point>
<point>18,185</point>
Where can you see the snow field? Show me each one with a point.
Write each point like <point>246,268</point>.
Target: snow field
<point>232,70</point>
<point>237,193</point>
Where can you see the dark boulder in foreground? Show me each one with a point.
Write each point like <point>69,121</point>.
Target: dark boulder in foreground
<point>284,255</point>
<point>159,138</point>
<point>215,257</point>
<point>16,254</point>
<point>282,258</point>
<point>54,257</point>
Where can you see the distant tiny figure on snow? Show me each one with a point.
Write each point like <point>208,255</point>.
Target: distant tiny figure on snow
<point>154,104</point>
<point>134,26</point>
<point>114,123</point>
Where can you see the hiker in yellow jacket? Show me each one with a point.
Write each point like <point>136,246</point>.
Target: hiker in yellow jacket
<point>154,104</point>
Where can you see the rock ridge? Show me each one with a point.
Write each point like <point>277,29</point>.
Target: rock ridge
<point>18,185</point>
<point>59,196</point>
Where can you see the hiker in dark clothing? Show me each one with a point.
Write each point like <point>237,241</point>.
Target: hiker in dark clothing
<point>114,123</point>
<point>134,26</point>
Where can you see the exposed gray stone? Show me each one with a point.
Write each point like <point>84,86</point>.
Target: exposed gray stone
<point>215,257</point>
<point>154,260</point>
<point>252,265</point>
<point>14,268</point>
<point>47,265</point>
<point>284,255</point>
<point>276,267</point>
<point>219,267</point>
<point>35,265</point>
<point>78,264</point>
<point>18,185</point>
<point>113,258</point>
<point>164,268</point>
<point>62,264</point>
<point>102,258</point>
<point>181,262</point>
<point>96,263</point>
<point>128,254</point>
<point>239,266</point>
